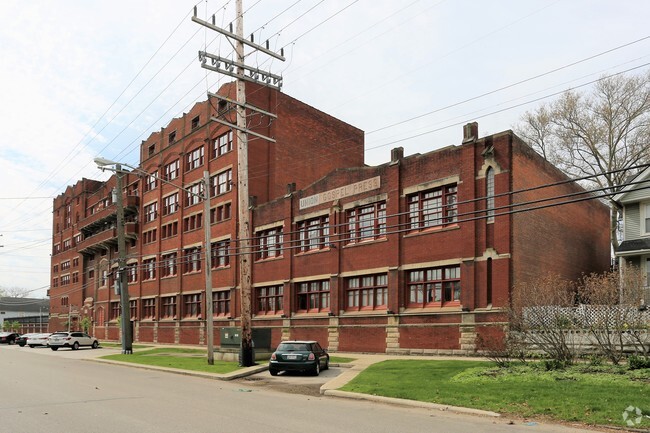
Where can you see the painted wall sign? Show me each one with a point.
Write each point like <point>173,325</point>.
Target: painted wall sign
<point>338,193</point>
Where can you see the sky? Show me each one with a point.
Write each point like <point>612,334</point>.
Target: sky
<point>80,79</point>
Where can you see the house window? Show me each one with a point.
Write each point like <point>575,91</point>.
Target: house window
<point>194,194</point>
<point>170,204</point>
<point>65,280</point>
<point>432,208</point>
<point>150,212</point>
<point>149,236</point>
<point>172,137</point>
<point>220,213</point>
<point>168,307</point>
<point>75,277</point>
<point>149,308</point>
<point>314,234</point>
<point>133,309</point>
<point>65,265</point>
<point>132,272</point>
<point>221,183</point>
<point>151,181</point>
<point>434,286</point>
<point>75,262</point>
<point>366,222</point>
<point>314,296</point>
<point>222,145</point>
<point>192,305</point>
<point>115,310</point>
<point>169,230</point>
<point>168,265</point>
<point>367,292</point>
<point>646,218</point>
<point>269,300</point>
<point>194,159</point>
<point>152,149</point>
<point>149,269</point>
<point>171,170</point>
<point>221,303</point>
<point>195,122</point>
<point>55,282</point>
<point>192,260</point>
<point>221,253</point>
<point>269,243</point>
<point>193,222</point>
<point>489,193</point>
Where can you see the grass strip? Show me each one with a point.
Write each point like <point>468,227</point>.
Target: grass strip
<point>182,359</point>
<point>579,394</point>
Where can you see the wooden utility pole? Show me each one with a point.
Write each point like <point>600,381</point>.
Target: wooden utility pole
<point>245,250</point>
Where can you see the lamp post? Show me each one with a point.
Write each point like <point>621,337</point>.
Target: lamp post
<point>127,338</point>
<point>102,163</point>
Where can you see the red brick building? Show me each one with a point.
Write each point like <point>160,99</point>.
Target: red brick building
<point>404,257</point>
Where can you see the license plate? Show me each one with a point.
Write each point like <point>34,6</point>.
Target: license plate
<point>292,357</point>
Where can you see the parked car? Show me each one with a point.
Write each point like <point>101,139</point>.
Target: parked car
<point>21,340</point>
<point>8,337</point>
<point>306,356</point>
<point>38,340</point>
<point>73,340</point>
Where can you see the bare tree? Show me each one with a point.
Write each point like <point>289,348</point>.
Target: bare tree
<point>13,292</point>
<point>593,134</point>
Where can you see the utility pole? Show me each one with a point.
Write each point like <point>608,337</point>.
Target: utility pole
<point>244,229</point>
<point>127,339</point>
<point>209,319</point>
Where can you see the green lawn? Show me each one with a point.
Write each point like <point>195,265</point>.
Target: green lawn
<point>583,394</point>
<point>183,359</point>
<point>340,360</point>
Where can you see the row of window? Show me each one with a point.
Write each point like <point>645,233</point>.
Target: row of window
<point>424,288</point>
<point>194,159</point>
<point>66,265</point>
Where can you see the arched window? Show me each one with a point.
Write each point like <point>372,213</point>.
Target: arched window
<point>489,205</point>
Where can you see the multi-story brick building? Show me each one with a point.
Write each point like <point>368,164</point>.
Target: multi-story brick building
<point>417,255</point>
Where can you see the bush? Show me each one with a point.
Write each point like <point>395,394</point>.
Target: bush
<point>638,362</point>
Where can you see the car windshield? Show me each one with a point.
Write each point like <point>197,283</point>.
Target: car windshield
<point>288,347</point>
<point>60,334</point>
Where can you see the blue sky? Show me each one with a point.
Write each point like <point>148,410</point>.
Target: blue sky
<point>86,78</point>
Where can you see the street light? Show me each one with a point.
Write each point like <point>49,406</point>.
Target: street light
<point>127,337</point>
<point>102,163</point>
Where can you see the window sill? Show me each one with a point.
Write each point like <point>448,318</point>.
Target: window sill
<point>454,308</point>
<point>430,230</point>
<point>366,242</point>
<point>313,251</point>
<point>269,259</point>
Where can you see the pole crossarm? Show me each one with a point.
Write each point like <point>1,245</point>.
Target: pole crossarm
<point>236,37</point>
<point>248,106</point>
<point>239,128</point>
<point>255,75</point>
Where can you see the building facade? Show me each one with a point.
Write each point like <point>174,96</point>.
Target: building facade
<point>418,255</point>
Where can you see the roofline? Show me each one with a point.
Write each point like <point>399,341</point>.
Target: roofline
<point>644,174</point>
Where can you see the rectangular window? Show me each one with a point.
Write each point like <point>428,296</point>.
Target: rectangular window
<point>221,183</point>
<point>220,213</point>
<point>366,222</point>
<point>65,280</point>
<point>194,159</point>
<point>221,254</point>
<point>65,265</point>
<point>222,145</point>
<point>75,262</point>
<point>314,296</point>
<point>367,292</point>
<point>149,308</point>
<point>269,300</point>
<point>195,122</point>
<point>133,309</point>
<point>192,260</point>
<point>645,215</point>
<point>149,269</point>
<point>432,208</point>
<point>149,236</point>
<point>151,212</point>
<point>221,303</point>
<point>172,170</point>
<point>168,307</point>
<point>115,310</point>
<point>151,181</point>
<point>192,305</point>
<point>194,194</point>
<point>170,204</point>
<point>169,230</point>
<point>75,277</point>
<point>269,243</point>
<point>172,137</point>
<point>132,273</point>
<point>193,222</point>
<point>434,286</point>
<point>168,265</point>
<point>314,234</point>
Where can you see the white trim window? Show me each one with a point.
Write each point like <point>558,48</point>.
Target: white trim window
<point>645,219</point>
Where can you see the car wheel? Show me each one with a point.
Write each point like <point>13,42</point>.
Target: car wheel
<point>316,370</point>
<point>95,345</point>
<point>273,372</point>
<point>12,342</point>
<point>54,348</point>
<point>31,345</point>
<point>75,346</point>
<point>327,364</point>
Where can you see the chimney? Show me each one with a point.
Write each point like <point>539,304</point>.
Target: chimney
<point>470,132</point>
<point>396,155</point>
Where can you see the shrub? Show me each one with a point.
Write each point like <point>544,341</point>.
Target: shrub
<point>638,362</point>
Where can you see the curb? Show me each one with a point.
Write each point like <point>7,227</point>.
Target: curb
<point>410,403</point>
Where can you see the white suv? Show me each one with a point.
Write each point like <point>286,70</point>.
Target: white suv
<point>73,340</point>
